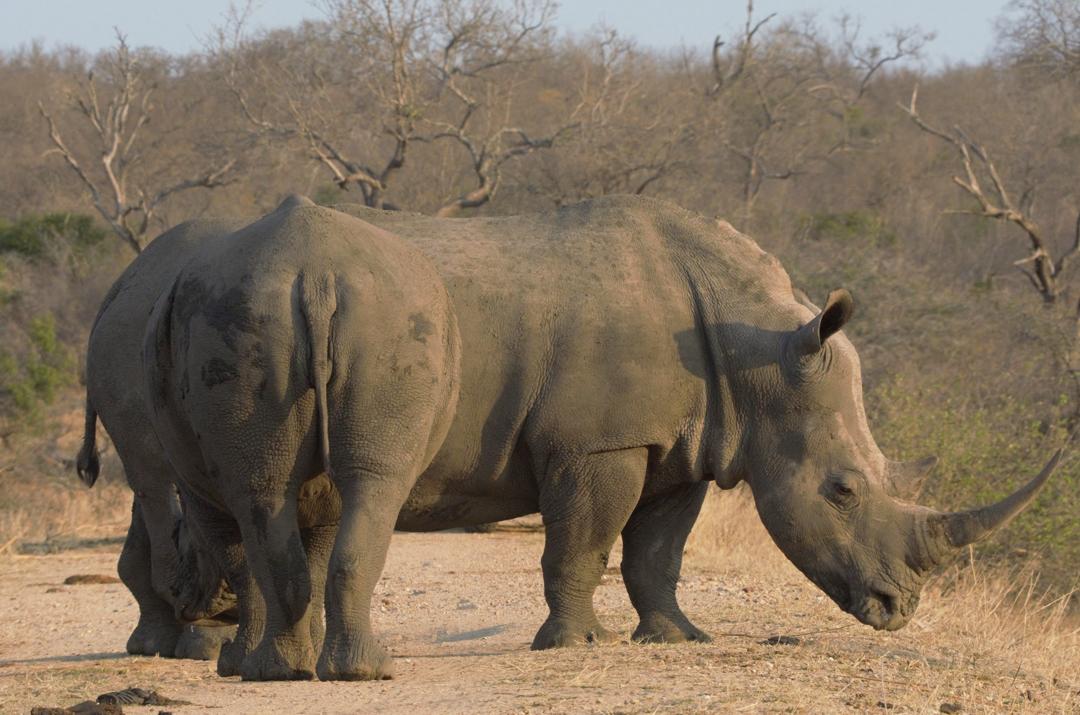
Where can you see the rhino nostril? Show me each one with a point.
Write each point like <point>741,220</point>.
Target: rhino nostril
<point>889,604</point>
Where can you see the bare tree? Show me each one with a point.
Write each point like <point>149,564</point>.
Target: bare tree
<point>116,114</point>
<point>623,145</point>
<point>1043,35</point>
<point>778,88</point>
<point>478,43</point>
<point>1048,262</point>
<point>385,75</point>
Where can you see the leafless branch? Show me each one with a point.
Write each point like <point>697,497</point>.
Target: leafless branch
<point>116,119</point>
<point>1044,273</point>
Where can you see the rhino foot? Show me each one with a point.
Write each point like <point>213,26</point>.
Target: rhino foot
<point>660,628</point>
<point>279,659</point>
<point>229,659</point>
<point>202,641</point>
<point>561,633</point>
<point>366,660</point>
<point>154,638</point>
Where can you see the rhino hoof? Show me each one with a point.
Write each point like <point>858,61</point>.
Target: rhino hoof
<point>662,629</point>
<point>229,659</point>
<point>365,661</point>
<point>273,660</point>
<point>369,661</point>
<point>154,639</point>
<point>201,642</point>
<point>560,633</point>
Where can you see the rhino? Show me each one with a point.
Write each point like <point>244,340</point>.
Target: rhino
<point>159,557</point>
<point>616,357</point>
<point>181,579</point>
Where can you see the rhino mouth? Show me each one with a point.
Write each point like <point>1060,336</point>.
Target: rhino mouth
<point>883,609</point>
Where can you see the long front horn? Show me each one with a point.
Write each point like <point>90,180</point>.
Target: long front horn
<point>954,530</point>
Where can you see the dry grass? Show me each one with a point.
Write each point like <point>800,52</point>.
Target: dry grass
<point>57,513</point>
<point>41,498</point>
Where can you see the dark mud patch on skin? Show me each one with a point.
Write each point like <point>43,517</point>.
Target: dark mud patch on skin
<point>216,371</point>
<point>420,327</point>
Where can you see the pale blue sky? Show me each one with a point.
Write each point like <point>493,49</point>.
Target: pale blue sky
<point>964,27</point>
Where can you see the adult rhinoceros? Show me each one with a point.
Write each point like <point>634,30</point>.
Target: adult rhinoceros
<point>616,356</point>
<point>150,564</point>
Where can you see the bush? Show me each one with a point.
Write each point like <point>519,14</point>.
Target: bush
<point>37,235</point>
<point>33,379</point>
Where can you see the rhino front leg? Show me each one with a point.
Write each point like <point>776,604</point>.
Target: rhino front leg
<point>584,504</point>
<point>653,542</point>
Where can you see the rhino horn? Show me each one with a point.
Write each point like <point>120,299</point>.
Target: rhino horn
<point>946,532</point>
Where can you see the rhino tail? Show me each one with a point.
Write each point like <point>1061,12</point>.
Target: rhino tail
<point>318,303</point>
<point>87,464</point>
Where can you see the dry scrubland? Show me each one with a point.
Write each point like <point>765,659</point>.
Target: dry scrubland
<point>459,610</point>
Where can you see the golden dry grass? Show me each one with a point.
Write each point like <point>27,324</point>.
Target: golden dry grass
<point>46,511</point>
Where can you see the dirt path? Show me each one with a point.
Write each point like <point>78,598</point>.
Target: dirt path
<point>458,611</point>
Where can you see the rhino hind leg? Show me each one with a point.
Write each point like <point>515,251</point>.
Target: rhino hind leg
<point>585,505</point>
<point>653,543</point>
<point>370,505</point>
<point>222,536</point>
<point>276,556</point>
<point>319,543</point>
<point>157,630</point>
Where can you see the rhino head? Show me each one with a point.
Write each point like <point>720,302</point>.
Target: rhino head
<point>836,507</point>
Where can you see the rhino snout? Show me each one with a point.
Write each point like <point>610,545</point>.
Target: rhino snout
<point>884,608</point>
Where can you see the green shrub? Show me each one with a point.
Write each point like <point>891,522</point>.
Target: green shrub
<point>33,379</point>
<point>32,236</point>
<point>986,451</point>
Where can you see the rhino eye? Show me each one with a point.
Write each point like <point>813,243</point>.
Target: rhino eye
<point>842,491</point>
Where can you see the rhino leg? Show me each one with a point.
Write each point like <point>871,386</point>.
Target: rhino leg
<point>653,543</point>
<point>584,504</point>
<point>319,543</point>
<point>276,556</point>
<point>222,537</point>
<point>370,506</point>
<point>157,630</point>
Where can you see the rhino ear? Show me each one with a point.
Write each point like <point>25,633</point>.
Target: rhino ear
<point>837,311</point>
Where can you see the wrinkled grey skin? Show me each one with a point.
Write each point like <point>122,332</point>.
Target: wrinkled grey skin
<point>150,564</point>
<point>616,356</point>
<point>619,354</point>
<point>307,342</point>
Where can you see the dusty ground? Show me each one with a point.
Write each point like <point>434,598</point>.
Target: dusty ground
<point>459,611</point>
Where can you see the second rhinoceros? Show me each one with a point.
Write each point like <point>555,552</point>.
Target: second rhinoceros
<point>616,356</point>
